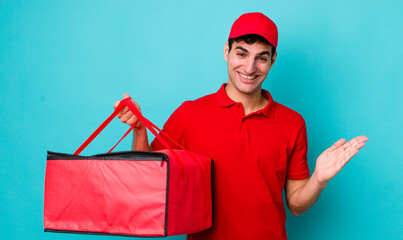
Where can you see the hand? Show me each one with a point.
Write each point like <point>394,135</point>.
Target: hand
<point>333,159</point>
<point>126,116</point>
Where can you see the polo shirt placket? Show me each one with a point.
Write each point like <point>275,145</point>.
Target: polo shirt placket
<point>242,131</point>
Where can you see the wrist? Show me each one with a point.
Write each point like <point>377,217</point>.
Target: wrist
<point>140,139</point>
<point>139,133</point>
<point>139,127</point>
<point>318,181</point>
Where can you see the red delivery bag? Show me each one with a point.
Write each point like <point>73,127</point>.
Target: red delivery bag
<point>133,193</point>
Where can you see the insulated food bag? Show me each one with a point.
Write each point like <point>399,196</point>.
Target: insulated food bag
<point>133,193</point>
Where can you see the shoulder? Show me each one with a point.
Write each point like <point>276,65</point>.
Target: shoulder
<point>189,112</point>
<point>293,124</point>
<point>199,104</point>
<point>283,112</point>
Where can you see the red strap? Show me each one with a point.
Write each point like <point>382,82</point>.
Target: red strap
<point>128,131</point>
<point>100,128</point>
<point>177,144</point>
<point>149,125</point>
<point>128,102</point>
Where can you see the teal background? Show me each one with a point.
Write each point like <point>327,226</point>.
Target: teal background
<point>64,63</point>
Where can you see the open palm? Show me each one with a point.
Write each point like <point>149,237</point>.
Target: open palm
<point>333,159</point>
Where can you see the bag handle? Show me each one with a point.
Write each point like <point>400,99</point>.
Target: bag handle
<point>100,128</point>
<point>152,127</point>
<point>149,125</point>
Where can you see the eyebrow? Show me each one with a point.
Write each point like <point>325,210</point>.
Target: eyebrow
<point>246,50</point>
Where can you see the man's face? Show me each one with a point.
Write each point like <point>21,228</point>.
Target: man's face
<point>248,66</point>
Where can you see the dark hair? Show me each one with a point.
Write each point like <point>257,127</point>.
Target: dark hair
<point>250,39</point>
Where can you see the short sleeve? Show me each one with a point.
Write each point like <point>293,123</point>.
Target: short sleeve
<point>175,128</point>
<point>297,168</point>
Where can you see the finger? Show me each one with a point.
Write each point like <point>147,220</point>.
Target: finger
<point>132,121</point>
<point>126,116</point>
<point>123,112</point>
<point>350,154</point>
<point>115,105</point>
<point>359,145</point>
<point>337,144</point>
<point>360,139</point>
<point>124,97</point>
<point>352,151</point>
<point>351,142</point>
<point>347,157</point>
<point>137,105</point>
<point>356,143</point>
<point>363,138</point>
<point>357,139</point>
<point>134,102</point>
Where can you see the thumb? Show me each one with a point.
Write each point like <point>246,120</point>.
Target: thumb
<point>116,104</point>
<point>126,96</point>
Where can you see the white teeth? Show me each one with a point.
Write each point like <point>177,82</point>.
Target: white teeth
<point>246,77</point>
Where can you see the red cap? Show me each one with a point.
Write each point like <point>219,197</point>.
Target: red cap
<point>255,23</point>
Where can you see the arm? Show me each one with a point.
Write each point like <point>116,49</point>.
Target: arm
<point>140,138</point>
<point>302,194</point>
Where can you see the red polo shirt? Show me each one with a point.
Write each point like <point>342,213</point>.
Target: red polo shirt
<point>253,156</point>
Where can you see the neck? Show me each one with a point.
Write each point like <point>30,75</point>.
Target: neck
<point>251,102</point>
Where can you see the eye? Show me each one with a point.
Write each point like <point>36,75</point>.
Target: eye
<point>241,54</point>
<point>262,59</point>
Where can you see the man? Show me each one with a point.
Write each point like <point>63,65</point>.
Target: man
<point>258,146</point>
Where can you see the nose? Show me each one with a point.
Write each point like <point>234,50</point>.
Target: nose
<point>250,66</point>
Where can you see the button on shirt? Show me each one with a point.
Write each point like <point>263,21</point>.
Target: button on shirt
<point>253,156</point>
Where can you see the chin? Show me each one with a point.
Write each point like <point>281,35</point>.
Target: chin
<point>247,88</point>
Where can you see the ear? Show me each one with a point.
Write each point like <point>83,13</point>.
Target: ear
<point>226,49</point>
<point>273,59</point>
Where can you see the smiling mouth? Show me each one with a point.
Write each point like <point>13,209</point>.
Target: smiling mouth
<point>247,78</point>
